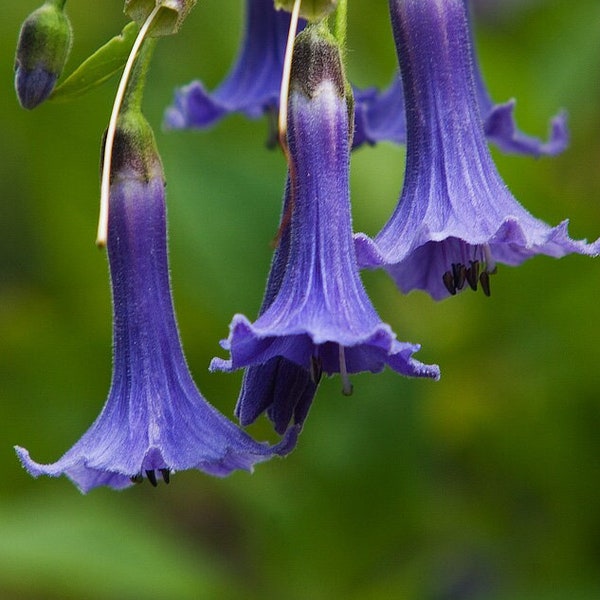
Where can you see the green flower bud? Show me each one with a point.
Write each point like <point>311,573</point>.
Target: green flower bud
<point>312,10</point>
<point>42,51</point>
<point>169,19</point>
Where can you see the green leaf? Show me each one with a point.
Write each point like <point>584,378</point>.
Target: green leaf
<point>99,67</point>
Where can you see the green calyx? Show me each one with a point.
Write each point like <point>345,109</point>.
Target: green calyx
<point>311,10</point>
<point>134,153</point>
<point>45,39</point>
<point>168,19</point>
<point>318,57</point>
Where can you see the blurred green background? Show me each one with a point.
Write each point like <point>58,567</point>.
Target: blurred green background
<point>482,486</point>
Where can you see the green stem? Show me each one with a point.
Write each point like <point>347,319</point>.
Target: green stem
<point>132,100</point>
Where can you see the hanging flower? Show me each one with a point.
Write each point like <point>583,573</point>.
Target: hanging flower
<point>455,219</point>
<point>155,420</point>
<point>321,317</point>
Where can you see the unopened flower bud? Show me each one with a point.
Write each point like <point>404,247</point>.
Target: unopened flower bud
<point>169,18</point>
<point>42,51</point>
<point>312,10</point>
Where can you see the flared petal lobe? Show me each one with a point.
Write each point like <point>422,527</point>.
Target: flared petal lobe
<point>383,118</point>
<point>321,318</point>
<point>455,219</point>
<point>155,419</point>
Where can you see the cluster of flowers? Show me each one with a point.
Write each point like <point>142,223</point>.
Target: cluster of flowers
<point>454,222</point>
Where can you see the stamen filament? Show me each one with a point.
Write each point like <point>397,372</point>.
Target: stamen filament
<point>347,387</point>
<point>102,235</point>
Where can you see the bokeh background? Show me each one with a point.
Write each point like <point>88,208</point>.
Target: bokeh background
<point>482,486</point>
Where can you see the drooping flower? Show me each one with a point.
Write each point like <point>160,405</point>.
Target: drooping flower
<point>252,86</point>
<point>321,317</point>
<point>383,118</point>
<point>155,419</point>
<point>455,219</point>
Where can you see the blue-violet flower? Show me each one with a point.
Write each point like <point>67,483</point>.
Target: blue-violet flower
<point>155,419</point>
<point>383,118</point>
<point>321,317</point>
<point>455,219</point>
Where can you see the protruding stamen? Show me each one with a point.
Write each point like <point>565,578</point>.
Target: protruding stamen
<point>166,475</point>
<point>459,273</point>
<point>448,279</point>
<point>137,478</point>
<point>316,370</point>
<point>484,280</point>
<point>472,274</point>
<point>347,388</point>
<point>151,475</point>
<point>490,263</point>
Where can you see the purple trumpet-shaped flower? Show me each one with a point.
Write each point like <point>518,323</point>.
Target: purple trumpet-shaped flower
<point>321,317</point>
<point>279,386</point>
<point>155,419</point>
<point>383,118</point>
<point>252,87</point>
<point>455,219</point>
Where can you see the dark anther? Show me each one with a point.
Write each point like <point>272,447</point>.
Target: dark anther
<point>484,280</point>
<point>166,475</point>
<point>151,475</point>
<point>316,370</point>
<point>472,274</point>
<point>448,279</point>
<point>459,273</point>
<point>137,478</point>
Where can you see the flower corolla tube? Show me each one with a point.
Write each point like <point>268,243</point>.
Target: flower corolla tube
<point>155,421</point>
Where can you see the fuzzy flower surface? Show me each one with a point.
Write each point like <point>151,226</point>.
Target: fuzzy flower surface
<point>155,421</point>
<point>321,317</point>
<point>382,117</point>
<point>455,219</point>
